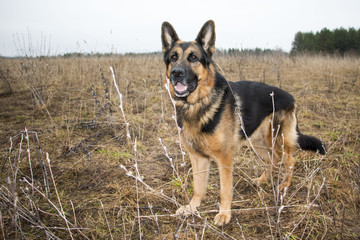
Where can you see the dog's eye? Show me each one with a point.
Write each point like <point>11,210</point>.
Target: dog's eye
<point>193,58</point>
<point>174,57</point>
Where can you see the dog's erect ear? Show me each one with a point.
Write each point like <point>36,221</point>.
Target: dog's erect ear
<point>168,36</point>
<point>206,37</point>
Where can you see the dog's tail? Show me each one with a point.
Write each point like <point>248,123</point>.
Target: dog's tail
<point>310,143</point>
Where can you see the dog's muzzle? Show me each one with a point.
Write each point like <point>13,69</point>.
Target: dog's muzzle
<point>177,77</point>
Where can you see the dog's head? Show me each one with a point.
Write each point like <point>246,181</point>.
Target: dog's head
<point>188,64</point>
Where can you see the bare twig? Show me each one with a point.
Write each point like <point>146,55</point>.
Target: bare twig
<point>72,206</point>
<point>57,195</point>
<point>29,158</point>
<point>242,233</point>
<point>2,225</point>
<point>167,86</point>
<point>150,206</point>
<point>137,174</point>
<point>107,222</point>
<point>308,209</point>
<point>121,107</point>
<point>171,163</point>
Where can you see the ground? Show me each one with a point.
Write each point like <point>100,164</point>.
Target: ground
<point>74,166</point>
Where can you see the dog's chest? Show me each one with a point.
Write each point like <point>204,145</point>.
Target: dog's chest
<point>193,139</point>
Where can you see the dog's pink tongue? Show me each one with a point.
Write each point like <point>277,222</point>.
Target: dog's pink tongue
<point>180,87</point>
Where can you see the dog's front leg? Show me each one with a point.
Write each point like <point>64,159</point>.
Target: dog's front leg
<point>225,169</point>
<point>200,168</point>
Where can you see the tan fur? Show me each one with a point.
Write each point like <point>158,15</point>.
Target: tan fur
<point>274,139</point>
<point>210,122</point>
<point>205,81</point>
<point>219,147</point>
<point>276,145</point>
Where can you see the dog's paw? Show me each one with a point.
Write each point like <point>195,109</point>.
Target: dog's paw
<point>222,218</point>
<point>186,210</point>
<point>284,186</point>
<point>257,181</point>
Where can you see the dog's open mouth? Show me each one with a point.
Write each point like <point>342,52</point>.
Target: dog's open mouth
<point>181,90</point>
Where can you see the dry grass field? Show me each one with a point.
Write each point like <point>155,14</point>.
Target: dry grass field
<point>71,168</point>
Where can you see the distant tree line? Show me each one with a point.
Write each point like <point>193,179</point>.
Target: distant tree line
<point>107,54</point>
<point>248,51</point>
<point>339,41</point>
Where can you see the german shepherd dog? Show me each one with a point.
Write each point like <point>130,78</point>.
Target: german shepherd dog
<point>215,115</point>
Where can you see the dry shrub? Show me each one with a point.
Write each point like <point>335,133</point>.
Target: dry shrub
<point>101,185</point>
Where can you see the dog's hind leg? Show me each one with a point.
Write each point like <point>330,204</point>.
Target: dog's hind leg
<point>289,164</point>
<point>262,143</point>
<point>265,155</point>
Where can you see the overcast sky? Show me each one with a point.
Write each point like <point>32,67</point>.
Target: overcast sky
<point>41,26</point>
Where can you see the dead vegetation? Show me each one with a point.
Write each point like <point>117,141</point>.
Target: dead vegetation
<point>70,169</point>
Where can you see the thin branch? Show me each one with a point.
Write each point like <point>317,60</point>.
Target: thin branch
<point>121,107</point>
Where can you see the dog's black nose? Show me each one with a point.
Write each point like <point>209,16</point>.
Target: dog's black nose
<point>177,73</point>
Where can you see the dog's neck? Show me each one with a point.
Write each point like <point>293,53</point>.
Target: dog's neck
<point>199,114</point>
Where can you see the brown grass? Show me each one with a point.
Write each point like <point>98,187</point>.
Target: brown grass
<point>101,185</point>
